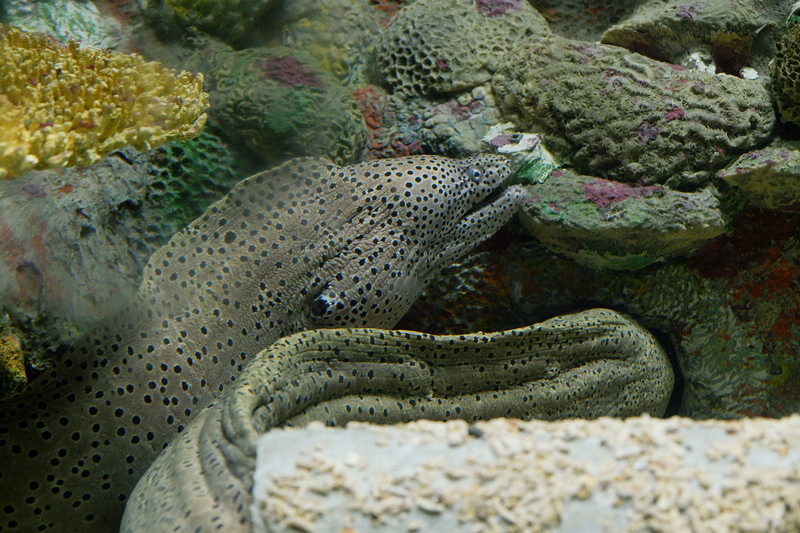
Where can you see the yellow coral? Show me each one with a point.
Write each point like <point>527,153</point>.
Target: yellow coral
<point>62,105</point>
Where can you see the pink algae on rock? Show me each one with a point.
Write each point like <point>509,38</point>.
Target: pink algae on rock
<point>605,192</point>
<point>289,71</point>
<point>496,8</point>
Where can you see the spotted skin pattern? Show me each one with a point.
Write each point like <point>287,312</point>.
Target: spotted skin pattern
<point>590,364</point>
<point>307,245</point>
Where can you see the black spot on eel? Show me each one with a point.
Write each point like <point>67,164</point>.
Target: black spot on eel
<point>307,245</point>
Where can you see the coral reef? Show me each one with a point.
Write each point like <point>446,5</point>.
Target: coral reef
<point>279,102</point>
<point>623,116</point>
<point>63,105</point>
<point>452,45</point>
<point>229,20</point>
<point>785,71</point>
<point>339,34</point>
<point>734,37</point>
<point>607,224</point>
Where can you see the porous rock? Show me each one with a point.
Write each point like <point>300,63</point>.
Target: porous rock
<point>623,116</point>
<point>452,45</point>
<point>785,72</point>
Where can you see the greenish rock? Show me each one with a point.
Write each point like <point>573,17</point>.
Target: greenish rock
<point>768,178</point>
<point>339,34</point>
<point>73,242</point>
<point>610,225</point>
<point>279,102</point>
<point>67,20</point>
<point>189,176</point>
<point>582,19</point>
<point>785,73</point>
<point>437,46</point>
<point>229,20</point>
<point>734,37</point>
<point>623,116</point>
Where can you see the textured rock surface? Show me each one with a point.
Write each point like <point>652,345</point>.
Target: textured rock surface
<point>768,178</point>
<point>73,242</point>
<point>65,19</point>
<point>572,476</point>
<point>735,34</point>
<point>339,34</point>
<point>607,224</point>
<point>622,116</point>
<point>229,20</point>
<point>452,45</point>
<point>785,72</point>
<point>583,19</point>
<point>279,102</point>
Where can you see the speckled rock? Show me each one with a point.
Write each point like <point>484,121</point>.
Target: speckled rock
<point>622,116</point>
<point>735,34</point>
<point>65,20</point>
<point>607,224</point>
<point>279,102</point>
<point>768,178</point>
<point>451,45</point>
<point>573,476</point>
<point>339,34</point>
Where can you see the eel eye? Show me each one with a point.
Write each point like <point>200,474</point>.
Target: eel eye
<point>474,173</point>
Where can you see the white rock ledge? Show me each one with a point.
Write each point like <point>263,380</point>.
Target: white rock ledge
<point>640,474</point>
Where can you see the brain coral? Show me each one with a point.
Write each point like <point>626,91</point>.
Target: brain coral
<point>62,105</point>
<point>280,102</point>
<point>452,45</point>
<point>626,117</point>
<point>785,72</point>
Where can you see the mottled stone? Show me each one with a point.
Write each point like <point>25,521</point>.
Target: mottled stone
<point>608,224</point>
<point>768,178</point>
<point>735,34</point>
<point>622,116</point>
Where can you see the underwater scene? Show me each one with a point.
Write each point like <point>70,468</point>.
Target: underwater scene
<point>399,265</point>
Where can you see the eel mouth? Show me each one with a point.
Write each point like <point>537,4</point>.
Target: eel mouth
<point>493,197</point>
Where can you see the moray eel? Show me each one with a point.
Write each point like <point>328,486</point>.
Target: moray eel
<point>595,363</point>
<point>307,245</point>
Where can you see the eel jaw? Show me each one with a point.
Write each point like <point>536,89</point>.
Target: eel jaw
<point>484,220</point>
